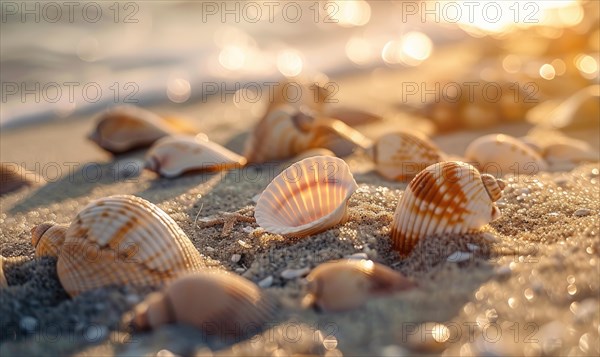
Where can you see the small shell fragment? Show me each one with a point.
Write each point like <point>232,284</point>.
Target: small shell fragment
<point>47,239</point>
<point>174,155</point>
<point>307,198</point>
<point>348,284</point>
<point>14,177</point>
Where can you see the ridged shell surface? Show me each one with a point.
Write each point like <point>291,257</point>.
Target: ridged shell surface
<point>123,240</point>
<point>401,155</point>
<point>48,239</point>
<point>447,197</point>
<point>174,155</point>
<point>500,154</point>
<point>308,197</point>
<point>210,300</point>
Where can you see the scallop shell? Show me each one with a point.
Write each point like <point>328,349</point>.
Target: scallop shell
<point>174,155</point>
<point>124,128</point>
<point>123,240</point>
<point>308,197</point>
<point>401,155</point>
<point>47,239</point>
<point>501,154</point>
<point>447,197</point>
<point>217,302</point>
<point>349,284</point>
<point>14,177</point>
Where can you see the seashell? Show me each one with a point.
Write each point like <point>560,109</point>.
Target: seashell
<point>305,155</point>
<point>217,302</point>
<point>124,128</point>
<point>581,110</point>
<point>3,282</point>
<point>47,239</point>
<point>308,197</point>
<point>401,155</point>
<point>348,284</point>
<point>123,240</point>
<point>502,154</point>
<point>567,153</point>
<point>173,155</point>
<point>299,94</point>
<point>14,177</point>
<point>447,197</point>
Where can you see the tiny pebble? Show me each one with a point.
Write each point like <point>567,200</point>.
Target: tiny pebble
<point>266,282</point>
<point>357,256</point>
<point>458,257</point>
<point>236,258</point>
<point>95,333</point>
<point>210,249</point>
<point>503,272</point>
<point>582,212</point>
<point>294,273</point>
<point>472,247</point>
<point>28,323</point>
<point>240,270</point>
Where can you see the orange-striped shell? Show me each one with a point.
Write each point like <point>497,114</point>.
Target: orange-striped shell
<point>306,198</point>
<point>47,239</point>
<point>447,197</point>
<point>217,302</point>
<point>123,240</point>
<point>401,155</point>
<point>173,155</point>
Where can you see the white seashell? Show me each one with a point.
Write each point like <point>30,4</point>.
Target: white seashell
<point>47,239</point>
<point>307,198</point>
<point>447,197</point>
<point>266,282</point>
<point>290,274</point>
<point>581,110</point>
<point>348,284</point>
<point>123,240</point>
<point>402,155</point>
<point>124,128</point>
<point>174,155</point>
<point>500,154</point>
<point>14,177</point>
<point>458,257</point>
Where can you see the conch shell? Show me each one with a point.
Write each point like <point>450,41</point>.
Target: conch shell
<point>47,239</point>
<point>173,155</point>
<point>123,240</point>
<point>306,198</point>
<point>348,284</point>
<point>447,197</point>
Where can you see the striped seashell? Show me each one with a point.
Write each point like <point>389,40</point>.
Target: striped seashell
<point>308,197</point>
<point>47,239</point>
<point>173,155</point>
<point>216,301</point>
<point>305,155</point>
<point>401,155</point>
<point>123,240</point>
<point>447,197</point>
<point>348,284</point>
<point>501,154</point>
<point>14,177</point>
<point>124,128</point>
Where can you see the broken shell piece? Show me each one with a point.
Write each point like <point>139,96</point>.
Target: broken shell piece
<point>307,198</point>
<point>14,177</point>
<point>124,128</point>
<point>348,284</point>
<point>208,301</point>
<point>47,239</point>
<point>174,155</point>
<point>402,155</point>
<point>124,240</point>
<point>447,197</point>
<point>500,154</point>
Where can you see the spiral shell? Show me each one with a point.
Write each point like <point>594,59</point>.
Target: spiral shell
<point>401,155</point>
<point>174,155</point>
<point>501,154</point>
<point>124,128</point>
<point>123,240</point>
<point>47,239</point>
<point>349,284</point>
<point>14,177</point>
<point>447,197</point>
<point>308,197</point>
<point>216,301</point>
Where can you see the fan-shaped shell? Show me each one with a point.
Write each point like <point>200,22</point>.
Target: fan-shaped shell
<point>402,155</point>
<point>348,284</point>
<point>308,197</point>
<point>174,155</point>
<point>123,240</point>
<point>47,239</point>
<point>218,302</point>
<point>125,128</point>
<point>14,177</point>
<point>501,154</point>
<point>447,197</point>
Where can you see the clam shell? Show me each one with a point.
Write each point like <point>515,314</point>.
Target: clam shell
<point>501,154</point>
<point>47,239</point>
<point>308,197</point>
<point>14,177</point>
<point>174,155</point>
<point>124,128</point>
<point>401,155</point>
<point>123,240</point>
<point>217,302</point>
<point>349,284</point>
<point>447,197</point>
